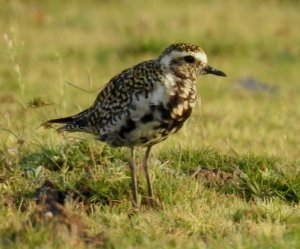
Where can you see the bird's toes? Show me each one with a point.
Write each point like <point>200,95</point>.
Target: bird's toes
<point>133,211</point>
<point>153,203</point>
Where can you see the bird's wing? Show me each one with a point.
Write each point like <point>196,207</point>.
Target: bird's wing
<point>115,99</point>
<point>124,90</point>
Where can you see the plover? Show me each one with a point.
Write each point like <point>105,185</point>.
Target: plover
<point>145,104</point>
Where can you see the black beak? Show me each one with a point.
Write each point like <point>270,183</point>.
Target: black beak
<point>210,70</point>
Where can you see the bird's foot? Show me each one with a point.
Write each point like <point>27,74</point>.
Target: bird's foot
<point>133,211</point>
<point>151,202</point>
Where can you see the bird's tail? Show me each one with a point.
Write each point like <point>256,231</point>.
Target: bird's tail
<point>77,122</point>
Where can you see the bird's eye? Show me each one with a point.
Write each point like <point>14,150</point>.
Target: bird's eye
<point>189,59</point>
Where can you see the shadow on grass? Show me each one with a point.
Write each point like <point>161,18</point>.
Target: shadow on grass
<point>249,176</point>
<point>86,173</point>
<point>101,176</point>
<point>48,213</point>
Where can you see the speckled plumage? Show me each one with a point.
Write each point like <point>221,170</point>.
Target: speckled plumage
<point>146,103</point>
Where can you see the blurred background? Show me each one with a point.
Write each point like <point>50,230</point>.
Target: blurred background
<point>55,55</point>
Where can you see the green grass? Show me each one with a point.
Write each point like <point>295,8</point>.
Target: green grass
<point>229,179</point>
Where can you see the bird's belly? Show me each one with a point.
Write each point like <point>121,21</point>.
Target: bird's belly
<point>137,133</point>
<point>152,128</point>
<point>146,134</point>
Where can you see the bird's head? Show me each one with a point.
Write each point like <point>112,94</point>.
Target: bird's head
<point>186,61</point>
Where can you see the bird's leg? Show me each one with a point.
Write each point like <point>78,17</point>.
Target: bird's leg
<point>146,169</point>
<point>132,168</point>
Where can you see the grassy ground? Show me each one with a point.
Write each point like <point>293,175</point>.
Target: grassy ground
<point>229,179</point>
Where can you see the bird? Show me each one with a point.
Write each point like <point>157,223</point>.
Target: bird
<point>144,104</point>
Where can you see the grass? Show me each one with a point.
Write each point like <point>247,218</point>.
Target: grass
<point>229,179</point>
